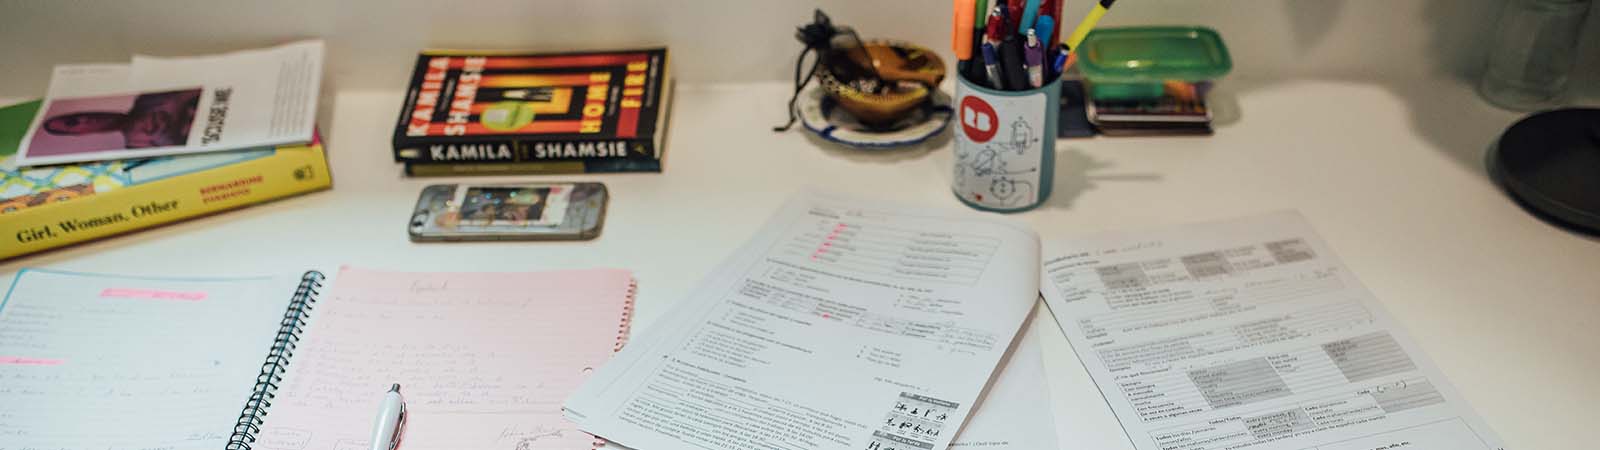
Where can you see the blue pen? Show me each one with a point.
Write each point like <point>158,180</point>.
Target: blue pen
<point>1061,59</point>
<point>1042,28</point>
<point>991,64</point>
<point>1030,10</point>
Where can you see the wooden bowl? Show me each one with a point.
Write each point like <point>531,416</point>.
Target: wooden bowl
<point>911,73</point>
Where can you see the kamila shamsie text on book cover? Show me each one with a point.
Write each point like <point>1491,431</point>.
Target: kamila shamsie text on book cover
<point>476,107</point>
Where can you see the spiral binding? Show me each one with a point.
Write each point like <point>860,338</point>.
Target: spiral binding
<point>622,336</point>
<point>289,329</point>
<point>627,316</point>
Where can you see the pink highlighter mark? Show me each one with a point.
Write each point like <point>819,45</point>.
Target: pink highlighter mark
<point>152,294</point>
<point>21,361</point>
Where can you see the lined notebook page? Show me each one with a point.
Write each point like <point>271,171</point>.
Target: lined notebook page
<point>101,362</point>
<point>484,359</point>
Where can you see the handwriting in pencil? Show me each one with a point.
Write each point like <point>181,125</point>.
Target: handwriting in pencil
<point>423,286</point>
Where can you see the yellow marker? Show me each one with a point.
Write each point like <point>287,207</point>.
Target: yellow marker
<point>1087,24</point>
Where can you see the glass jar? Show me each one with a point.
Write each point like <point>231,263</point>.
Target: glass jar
<point>1531,57</point>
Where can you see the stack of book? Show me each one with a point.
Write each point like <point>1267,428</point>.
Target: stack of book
<point>114,148</point>
<point>1181,110</point>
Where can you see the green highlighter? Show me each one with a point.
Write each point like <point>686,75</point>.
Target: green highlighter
<point>1130,63</point>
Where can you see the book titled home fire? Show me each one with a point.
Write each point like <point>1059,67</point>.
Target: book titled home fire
<point>470,111</point>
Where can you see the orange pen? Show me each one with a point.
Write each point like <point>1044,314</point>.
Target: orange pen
<point>961,28</point>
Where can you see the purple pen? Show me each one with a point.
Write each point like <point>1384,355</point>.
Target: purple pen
<point>1033,58</point>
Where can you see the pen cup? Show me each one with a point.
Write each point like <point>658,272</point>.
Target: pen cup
<point>1005,145</point>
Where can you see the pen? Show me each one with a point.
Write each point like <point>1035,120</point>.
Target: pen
<point>1030,11</point>
<point>391,420</point>
<point>975,70</point>
<point>1034,55</point>
<point>991,64</point>
<point>997,18</point>
<point>962,28</point>
<point>955,24</point>
<point>1014,15</point>
<point>1042,29</point>
<point>1012,72</point>
<point>1051,40</point>
<point>1082,31</point>
<point>1088,23</point>
<point>982,16</point>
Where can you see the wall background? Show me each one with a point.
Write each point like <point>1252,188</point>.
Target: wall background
<point>372,42</point>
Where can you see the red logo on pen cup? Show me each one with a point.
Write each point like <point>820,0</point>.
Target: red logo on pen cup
<point>978,119</point>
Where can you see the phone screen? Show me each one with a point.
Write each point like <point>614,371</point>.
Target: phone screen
<point>513,206</point>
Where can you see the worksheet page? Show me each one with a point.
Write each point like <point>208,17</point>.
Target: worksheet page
<point>108,362</point>
<point>1014,412</point>
<point>1248,334</point>
<point>843,324</point>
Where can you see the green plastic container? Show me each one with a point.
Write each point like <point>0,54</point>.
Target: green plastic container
<point>1130,63</point>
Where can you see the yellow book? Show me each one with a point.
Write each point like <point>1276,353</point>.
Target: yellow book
<point>143,194</point>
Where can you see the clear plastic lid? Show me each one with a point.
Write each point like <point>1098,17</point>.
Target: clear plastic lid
<point>1185,53</point>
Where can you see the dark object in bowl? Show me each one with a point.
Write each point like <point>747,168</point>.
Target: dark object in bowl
<point>879,82</point>
<point>907,75</point>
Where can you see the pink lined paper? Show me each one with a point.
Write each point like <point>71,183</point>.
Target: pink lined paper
<point>485,360</point>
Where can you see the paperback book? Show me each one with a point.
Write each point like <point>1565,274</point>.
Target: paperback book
<point>569,112</point>
<point>52,206</point>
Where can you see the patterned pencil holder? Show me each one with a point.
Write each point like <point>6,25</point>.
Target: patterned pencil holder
<point>1005,145</point>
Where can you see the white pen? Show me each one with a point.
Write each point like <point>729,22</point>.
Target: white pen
<point>391,420</point>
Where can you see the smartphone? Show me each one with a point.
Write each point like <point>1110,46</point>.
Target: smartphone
<point>509,212</point>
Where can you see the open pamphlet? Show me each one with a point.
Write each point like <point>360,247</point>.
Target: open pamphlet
<point>1248,334</point>
<point>842,324</point>
<point>171,106</point>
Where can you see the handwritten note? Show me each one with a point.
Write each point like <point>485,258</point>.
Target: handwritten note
<point>153,294</point>
<point>484,359</point>
<point>81,369</point>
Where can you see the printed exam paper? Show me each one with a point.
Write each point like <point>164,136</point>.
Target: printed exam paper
<point>1248,334</point>
<point>841,325</point>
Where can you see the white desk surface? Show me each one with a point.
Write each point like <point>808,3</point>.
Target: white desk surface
<point>1389,173</point>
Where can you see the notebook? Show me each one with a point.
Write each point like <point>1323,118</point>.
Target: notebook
<point>277,363</point>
